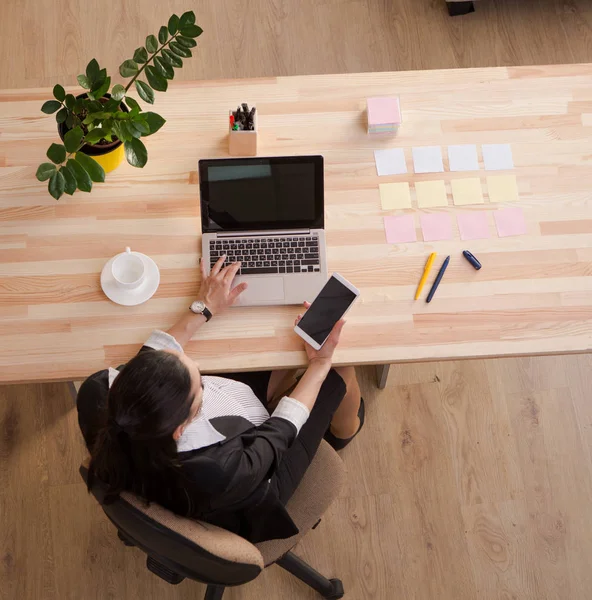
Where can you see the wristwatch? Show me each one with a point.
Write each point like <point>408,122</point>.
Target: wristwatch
<point>199,308</point>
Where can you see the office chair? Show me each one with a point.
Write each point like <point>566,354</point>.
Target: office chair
<point>179,548</point>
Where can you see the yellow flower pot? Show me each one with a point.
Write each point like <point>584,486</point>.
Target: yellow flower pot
<point>109,156</point>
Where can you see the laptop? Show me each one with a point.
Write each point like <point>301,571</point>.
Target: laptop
<point>267,213</point>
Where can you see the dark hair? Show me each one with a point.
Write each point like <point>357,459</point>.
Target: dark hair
<point>135,449</point>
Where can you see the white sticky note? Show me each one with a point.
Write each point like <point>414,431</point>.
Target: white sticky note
<point>497,157</point>
<point>428,159</point>
<point>390,161</point>
<point>463,157</point>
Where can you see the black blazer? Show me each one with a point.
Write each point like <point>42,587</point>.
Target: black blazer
<point>226,484</point>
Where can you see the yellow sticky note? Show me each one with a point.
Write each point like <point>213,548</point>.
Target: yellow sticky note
<point>502,188</point>
<point>431,193</point>
<point>467,191</point>
<point>394,195</point>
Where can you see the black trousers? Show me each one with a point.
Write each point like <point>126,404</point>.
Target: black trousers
<point>92,408</point>
<point>299,456</point>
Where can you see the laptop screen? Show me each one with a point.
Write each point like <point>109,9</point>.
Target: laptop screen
<point>262,193</point>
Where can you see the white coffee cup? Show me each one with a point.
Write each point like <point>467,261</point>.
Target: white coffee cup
<point>128,270</point>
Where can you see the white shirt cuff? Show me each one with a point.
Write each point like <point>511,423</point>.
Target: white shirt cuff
<point>292,410</point>
<point>160,340</point>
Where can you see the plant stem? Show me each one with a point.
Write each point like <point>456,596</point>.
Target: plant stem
<point>127,87</point>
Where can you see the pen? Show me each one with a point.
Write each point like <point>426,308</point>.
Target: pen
<point>426,272</point>
<point>438,279</point>
<point>472,259</point>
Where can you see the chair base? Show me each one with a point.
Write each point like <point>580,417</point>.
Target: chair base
<point>460,8</point>
<point>328,588</point>
<point>214,592</point>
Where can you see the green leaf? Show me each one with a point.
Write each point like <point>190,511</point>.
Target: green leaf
<point>136,153</point>
<point>51,106</point>
<point>179,50</point>
<point>118,92</point>
<point>131,102</point>
<point>70,101</point>
<point>101,91</point>
<point>186,42</point>
<point>83,180</point>
<point>56,185</point>
<point>121,131</point>
<point>145,91</point>
<point>59,93</point>
<point>140,55</point>
<point>45,171</point>
<point>142,127</point>
<point>135,132</point>
<point>69,179</point>
<point>62,115</point>
<point>129,130</point>
<point>72,139</point>
<point>128,68</point>
<point>157,81</point>
<point>172,58</point>
<point>191,31</point>
<point>163,34</point>
<point>187,18</point>
<point>121,116</point>
<point>173,24</point>
<point>70,121</point>
<point>151,44</point>
<point>155,121</point>
<point>78,105</point>
<point>83,81</point>
<point>163,68</point>
<point>92,71</point>
<point>111,105</point>
<point>56,153</point>
<point>96,106</point>
<point>91,166</point>
<point>94,136</point>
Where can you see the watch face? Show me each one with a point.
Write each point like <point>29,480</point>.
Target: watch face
<point>198,307</point>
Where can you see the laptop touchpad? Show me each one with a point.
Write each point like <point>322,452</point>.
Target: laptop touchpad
<point>262,290</point>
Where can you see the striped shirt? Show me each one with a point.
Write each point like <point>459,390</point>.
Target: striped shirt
<point>223,397</point>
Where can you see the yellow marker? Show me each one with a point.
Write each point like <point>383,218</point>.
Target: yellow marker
<point>426,272</point>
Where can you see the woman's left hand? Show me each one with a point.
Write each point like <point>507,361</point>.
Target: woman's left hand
<point>216,290</point>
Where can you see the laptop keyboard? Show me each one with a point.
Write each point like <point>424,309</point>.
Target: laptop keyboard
<point>263,255</point>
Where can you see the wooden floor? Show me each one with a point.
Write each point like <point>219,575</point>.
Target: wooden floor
<point>472,480</point>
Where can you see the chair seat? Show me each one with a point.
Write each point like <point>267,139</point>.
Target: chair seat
<point>319,487</point>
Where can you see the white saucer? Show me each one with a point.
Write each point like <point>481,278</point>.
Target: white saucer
<point>138,295</point>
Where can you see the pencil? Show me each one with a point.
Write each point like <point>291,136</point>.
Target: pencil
<point>426,272</point>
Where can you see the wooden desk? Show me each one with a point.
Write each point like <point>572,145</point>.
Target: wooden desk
<point>533,295</point>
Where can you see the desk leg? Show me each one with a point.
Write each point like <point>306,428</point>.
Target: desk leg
<point>382,372</point>
<point>460,8</point>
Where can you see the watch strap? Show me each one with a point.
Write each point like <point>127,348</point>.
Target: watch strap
<point>206,313</point>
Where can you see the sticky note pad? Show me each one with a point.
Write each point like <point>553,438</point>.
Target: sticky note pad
<point>473,226</point>
<point>394,195</point>
<point>463,158</point>
<point>400,229</point>
<point>467,191</point>
<point>510,221</point>
<point>390,162</point>
<point>431,193</point>
<point>502,188</point>
<point>383,111</point>
<point>428,159</point>
<point>436,226</point>
<point>497,157</point>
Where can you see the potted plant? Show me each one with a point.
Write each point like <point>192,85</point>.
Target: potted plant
<point>98,128</point>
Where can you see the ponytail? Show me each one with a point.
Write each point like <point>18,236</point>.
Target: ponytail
<point>135,449</point>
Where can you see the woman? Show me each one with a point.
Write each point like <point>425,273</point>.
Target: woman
<point>206,447</point>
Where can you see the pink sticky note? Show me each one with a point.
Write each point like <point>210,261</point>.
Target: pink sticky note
<point>510,221</point>
<point>437,226</point>
<point>473,226</point>
<point>383,110</point>
<point>400,229</point>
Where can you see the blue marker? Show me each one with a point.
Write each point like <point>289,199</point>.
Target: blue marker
<point>438,279</point>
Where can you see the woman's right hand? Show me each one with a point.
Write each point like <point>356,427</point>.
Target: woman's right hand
<point>325,354</point>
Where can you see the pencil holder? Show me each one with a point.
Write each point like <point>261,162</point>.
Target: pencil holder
<point>243,143</point>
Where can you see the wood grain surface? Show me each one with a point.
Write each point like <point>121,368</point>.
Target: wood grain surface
<point>533,295</point>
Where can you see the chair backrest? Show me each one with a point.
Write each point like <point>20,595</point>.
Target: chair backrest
<point>189,548</point>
